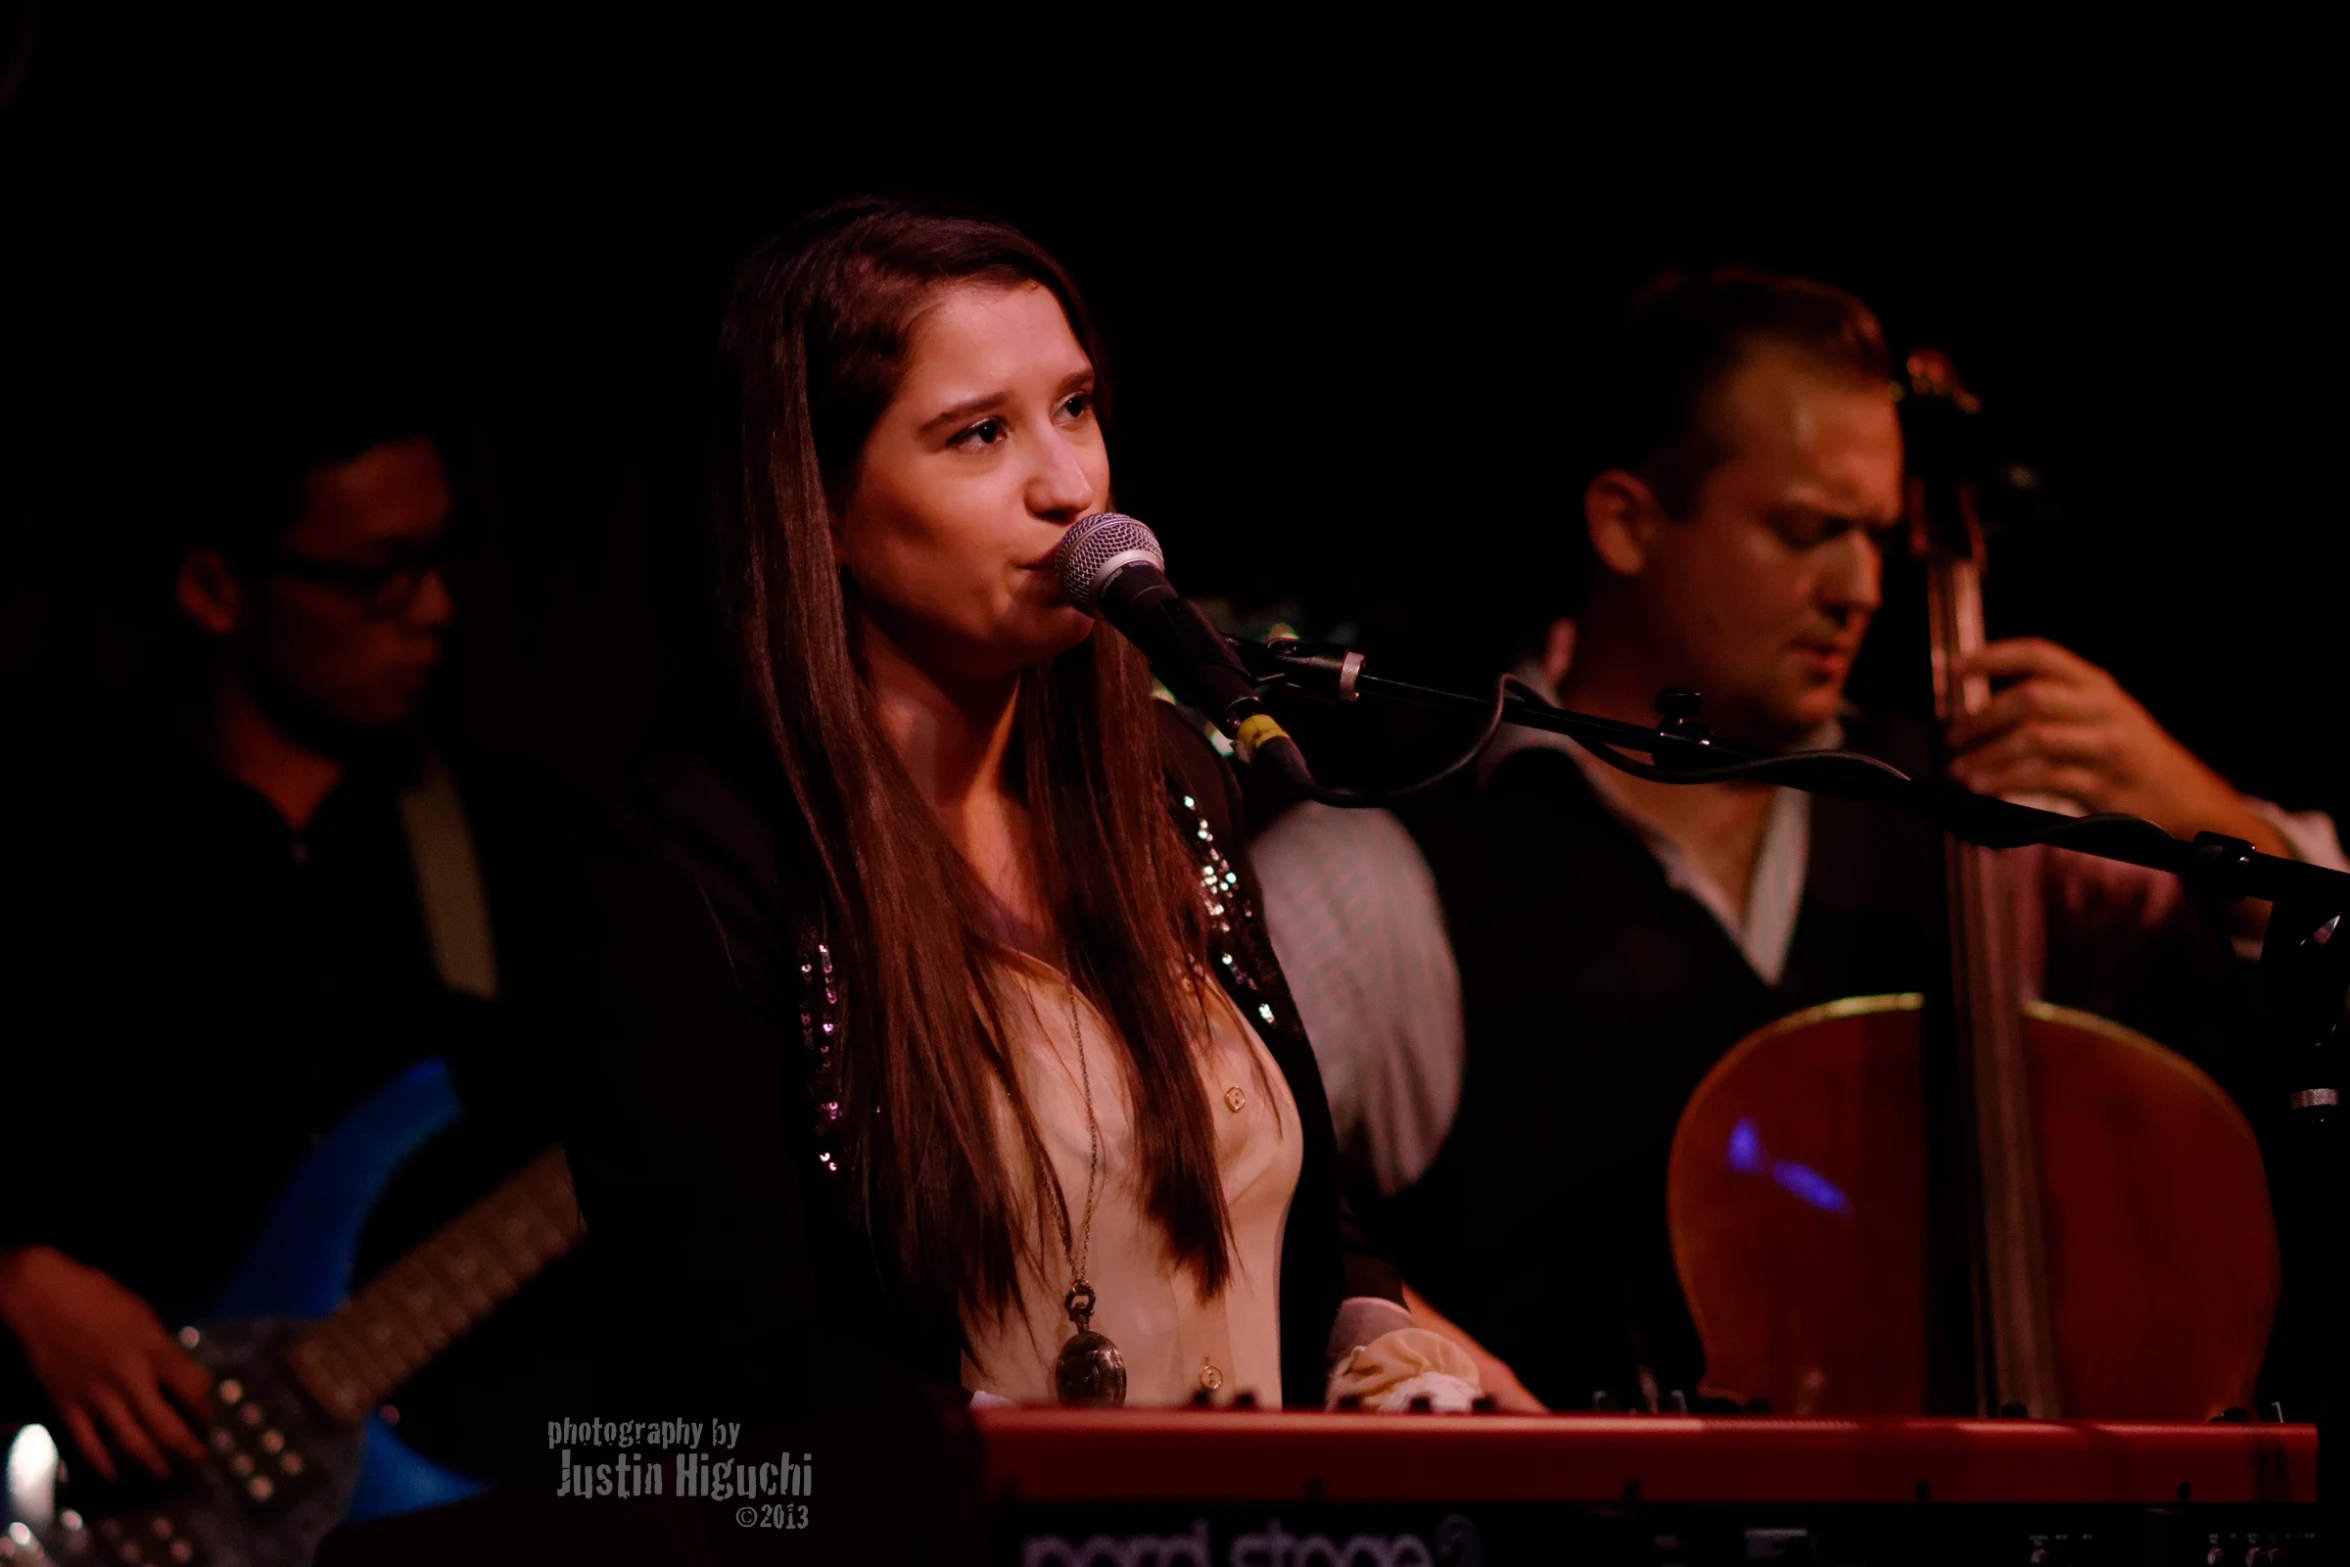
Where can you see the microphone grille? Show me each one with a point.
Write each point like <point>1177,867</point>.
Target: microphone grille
<point>1095,548</point>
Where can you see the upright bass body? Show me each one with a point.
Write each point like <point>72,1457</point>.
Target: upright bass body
<point>1801,1218</point>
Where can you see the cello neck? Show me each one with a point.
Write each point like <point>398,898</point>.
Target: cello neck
<point>1954,599</point>
<point>2014,1339</point>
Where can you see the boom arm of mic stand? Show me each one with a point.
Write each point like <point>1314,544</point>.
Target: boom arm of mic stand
<point>1683,752</point>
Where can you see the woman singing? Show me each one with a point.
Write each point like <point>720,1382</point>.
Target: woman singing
<point>944,1042</point>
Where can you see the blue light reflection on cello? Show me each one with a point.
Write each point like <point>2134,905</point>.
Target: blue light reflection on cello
<point>1746,1154</point>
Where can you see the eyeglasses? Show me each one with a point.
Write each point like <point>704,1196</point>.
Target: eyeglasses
<point>386,587</point>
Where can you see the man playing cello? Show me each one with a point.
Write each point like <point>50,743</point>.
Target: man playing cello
<point>1613,937</point>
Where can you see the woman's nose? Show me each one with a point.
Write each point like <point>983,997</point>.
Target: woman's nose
<point>1063,485</point>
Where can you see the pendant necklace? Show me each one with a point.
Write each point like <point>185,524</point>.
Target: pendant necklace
<point>1090,1370</point>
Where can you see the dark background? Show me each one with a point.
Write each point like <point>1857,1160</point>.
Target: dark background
<point>1344,307</point>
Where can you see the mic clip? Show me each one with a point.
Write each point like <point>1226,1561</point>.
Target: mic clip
<point>1677,719</point>
<point>1324,671</point>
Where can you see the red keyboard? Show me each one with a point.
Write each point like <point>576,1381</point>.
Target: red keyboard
<point>1174,1487</point>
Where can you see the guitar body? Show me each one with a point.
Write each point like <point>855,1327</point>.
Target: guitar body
<point>317,1471</point>
<point>278,1476</point>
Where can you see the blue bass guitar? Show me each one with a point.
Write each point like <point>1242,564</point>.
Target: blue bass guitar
<point>301,1364</point>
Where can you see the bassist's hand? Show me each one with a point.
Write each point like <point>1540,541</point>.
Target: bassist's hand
<point>104,1359</point>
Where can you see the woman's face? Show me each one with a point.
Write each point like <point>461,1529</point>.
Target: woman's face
<point>986,455</point>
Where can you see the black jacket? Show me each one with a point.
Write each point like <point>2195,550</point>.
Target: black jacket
<point>732,1275</point>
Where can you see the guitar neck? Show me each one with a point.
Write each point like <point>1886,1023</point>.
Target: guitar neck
<point>407,1315</point>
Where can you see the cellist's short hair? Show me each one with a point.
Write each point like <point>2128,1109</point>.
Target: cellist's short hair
<point>1682,336</point>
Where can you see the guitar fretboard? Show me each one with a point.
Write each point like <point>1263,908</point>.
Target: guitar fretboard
<point>387,1332</point>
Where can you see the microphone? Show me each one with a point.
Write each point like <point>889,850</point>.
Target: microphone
<point>1112,568</point>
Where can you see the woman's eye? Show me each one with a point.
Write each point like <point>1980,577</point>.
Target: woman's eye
<point>1077,405</point>
<point>987,432</point>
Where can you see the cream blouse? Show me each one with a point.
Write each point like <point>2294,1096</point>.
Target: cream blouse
<point>1173,1342</point>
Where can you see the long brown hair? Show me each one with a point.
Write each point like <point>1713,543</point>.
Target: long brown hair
<point>818,326</point>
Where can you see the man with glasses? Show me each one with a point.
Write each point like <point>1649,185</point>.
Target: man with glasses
<point>325,635</point>
<point>247,931</point>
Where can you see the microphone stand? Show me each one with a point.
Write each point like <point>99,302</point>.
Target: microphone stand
<point>2304,962</point>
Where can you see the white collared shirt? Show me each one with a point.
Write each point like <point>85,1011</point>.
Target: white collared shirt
<point>1762,925</point>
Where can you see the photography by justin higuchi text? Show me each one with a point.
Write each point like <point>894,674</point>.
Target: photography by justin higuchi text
<point>693,1458</point>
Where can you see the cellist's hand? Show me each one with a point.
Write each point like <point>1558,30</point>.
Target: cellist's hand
<point>2056,724</point>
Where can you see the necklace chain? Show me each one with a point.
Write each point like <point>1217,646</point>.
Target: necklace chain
<point>1082,1252</point>
<point>1089,1370</point>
